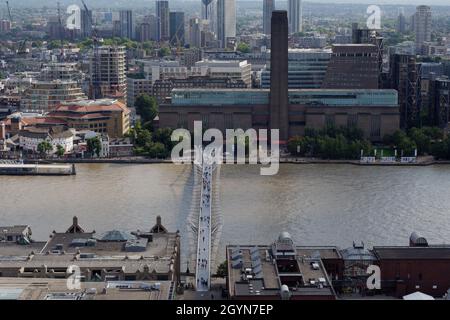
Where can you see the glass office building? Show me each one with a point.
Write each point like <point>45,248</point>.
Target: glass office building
<point>307,69</point>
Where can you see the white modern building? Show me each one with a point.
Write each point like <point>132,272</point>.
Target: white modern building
<point>232,69</point>
<point>235,70</point>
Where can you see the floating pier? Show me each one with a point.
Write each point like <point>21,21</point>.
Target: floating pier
<point>21,169</point>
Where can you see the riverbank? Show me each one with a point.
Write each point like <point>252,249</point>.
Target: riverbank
<point>421,161</point>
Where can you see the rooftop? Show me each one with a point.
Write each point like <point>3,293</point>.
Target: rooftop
<point>416,253</point>
<point>254,271</point>
<point>56,289</point>
<point>90,106</point>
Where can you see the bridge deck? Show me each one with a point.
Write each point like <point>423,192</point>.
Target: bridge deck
<point>204,232</point>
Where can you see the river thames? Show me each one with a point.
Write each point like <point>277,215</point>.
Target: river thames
<point>318,204</point>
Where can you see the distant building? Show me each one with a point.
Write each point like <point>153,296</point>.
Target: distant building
<point>126,24</point>
<point>309,42</point>
<point>86,23</point>
<point>209,15</point>
<point>163,23</point>
<point>144,32</point>
<point>177,28</point>
<point>226,21</point>
<point>353,66</point>
<point>195,33</point>
<point>191,56</point>
<point>162,89</point>
<point>137,87</point>
<point>5,25</point>
<point>66,71</point>
<point>404,76</point>
<point>235,70</point>
<point>30,139</point>
<point>54,29</point>
<point>268,8</point>
<point>107,71</point>
<point>295,16</point>
<point>120,147</point>
<point>401,22</point>
<point>105,116</point>
<point>45,96</point>
<point>117,28</point>
<point>422,26</point>
<point>439,112</point>
<point>342,39</point>
<point>306,69</point>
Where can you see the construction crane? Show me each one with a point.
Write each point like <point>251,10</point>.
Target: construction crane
<point>61,32</point>
<point>9,12</point>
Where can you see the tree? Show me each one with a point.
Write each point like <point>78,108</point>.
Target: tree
<point>94,146</point>
<point>143,137</point>
<point>146,107</point>
<point>297,145</point>
<point>163,135</point>
<point>434,133</point>
<point>156,150</point>
<point>408,146</point>
<point>165,51</point>
<point>243,47</point>
<point>441,149</point>
<point>60,150</point>
<point>222,270</point>
<point>44,147</point>
<point>422,141</point>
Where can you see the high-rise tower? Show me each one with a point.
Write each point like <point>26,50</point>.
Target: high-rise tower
<point>226,21</point>
<point>295,16</point>
<point>422,26</point>
<point>279,74</point>
<point>268,7</point>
